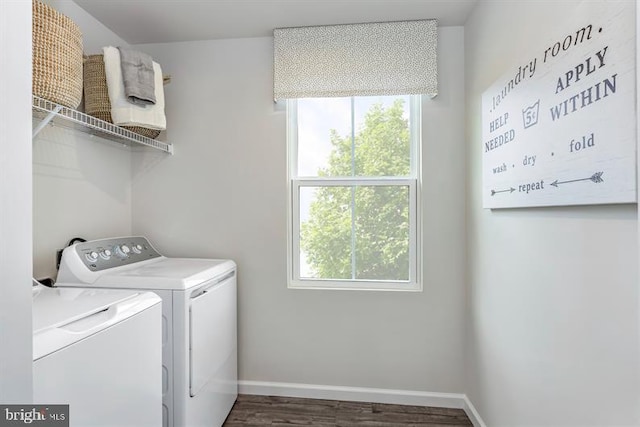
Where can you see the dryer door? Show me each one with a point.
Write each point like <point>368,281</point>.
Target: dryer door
<point>212,334</point>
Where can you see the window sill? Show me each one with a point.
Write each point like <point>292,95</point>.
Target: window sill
<point>337,285</point>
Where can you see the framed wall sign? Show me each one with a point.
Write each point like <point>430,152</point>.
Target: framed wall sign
<point>559,128</point>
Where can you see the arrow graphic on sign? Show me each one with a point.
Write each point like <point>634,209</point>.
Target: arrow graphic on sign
<point>510,190</point>
<point>595,178</point>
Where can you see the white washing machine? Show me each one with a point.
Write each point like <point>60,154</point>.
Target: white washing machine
<point>199,354</point>
<point>98,351</point>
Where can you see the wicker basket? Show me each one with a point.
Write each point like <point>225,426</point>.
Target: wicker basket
<point>96,96</point>
<point>57,56</point>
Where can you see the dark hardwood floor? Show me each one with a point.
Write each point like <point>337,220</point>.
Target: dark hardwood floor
<point>287,411</point>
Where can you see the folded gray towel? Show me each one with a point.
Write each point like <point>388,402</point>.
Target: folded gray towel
<point>137,76</point>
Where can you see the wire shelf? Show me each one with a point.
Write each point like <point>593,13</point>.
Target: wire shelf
<point>89,124</point>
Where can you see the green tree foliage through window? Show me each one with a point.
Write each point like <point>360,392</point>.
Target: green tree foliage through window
<point>362,231</point>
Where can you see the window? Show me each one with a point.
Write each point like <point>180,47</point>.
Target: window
<point>353,205</point>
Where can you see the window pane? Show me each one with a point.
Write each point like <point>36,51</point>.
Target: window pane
<point>354,232</point>
<point>382,232</point>
<point>323,124</point>
<point>361,136</point>
<point>382,144</point>
<point>325,232</point>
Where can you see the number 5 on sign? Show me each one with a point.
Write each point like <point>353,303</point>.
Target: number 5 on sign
<point>530,115</point>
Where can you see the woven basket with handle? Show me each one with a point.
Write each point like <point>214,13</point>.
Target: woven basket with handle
<point>57,56</point>
<point>96,95</point>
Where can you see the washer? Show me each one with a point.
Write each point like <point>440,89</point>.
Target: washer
<point>99,351</point>
<point>199,353</point>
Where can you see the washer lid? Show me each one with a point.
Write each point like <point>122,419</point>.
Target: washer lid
<point>165,273</point>
<point>62,317</point>
<point>53,307</point>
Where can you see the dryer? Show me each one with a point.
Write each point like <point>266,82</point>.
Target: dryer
<point>199,354</point>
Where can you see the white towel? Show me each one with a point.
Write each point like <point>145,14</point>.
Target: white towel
<point>124,113</point>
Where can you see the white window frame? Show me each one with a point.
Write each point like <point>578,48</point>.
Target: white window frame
<point>412,182</point>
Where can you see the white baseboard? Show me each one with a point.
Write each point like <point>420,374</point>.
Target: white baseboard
<point>472,413</point>
<point>362,394</point>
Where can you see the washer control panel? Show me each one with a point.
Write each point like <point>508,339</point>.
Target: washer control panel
<point>98,255</point>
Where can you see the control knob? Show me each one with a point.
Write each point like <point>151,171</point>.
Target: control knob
<point>137,249</point>
<point>105,254</point>
<point>122,251</point>
<point>91,256</point>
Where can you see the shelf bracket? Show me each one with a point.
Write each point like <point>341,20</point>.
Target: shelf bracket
<point>46,120</point>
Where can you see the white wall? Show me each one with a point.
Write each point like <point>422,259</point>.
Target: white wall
<point>553,292</point>
<point>81,184</point>
<point>223,194</point>
<point>81,188</point>
<point>15,202</point>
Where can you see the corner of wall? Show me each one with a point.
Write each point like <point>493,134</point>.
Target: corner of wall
<point>15,203</point>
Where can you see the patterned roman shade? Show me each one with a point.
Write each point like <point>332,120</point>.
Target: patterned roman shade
<point>387,58</point>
